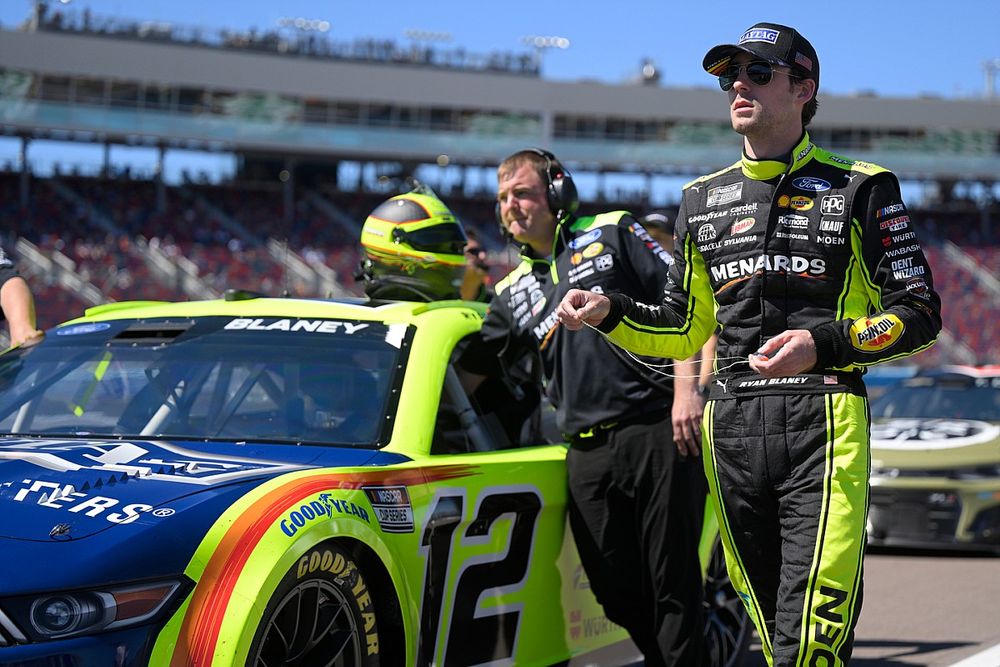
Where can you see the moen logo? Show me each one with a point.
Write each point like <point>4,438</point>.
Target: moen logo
<point>874,335</point>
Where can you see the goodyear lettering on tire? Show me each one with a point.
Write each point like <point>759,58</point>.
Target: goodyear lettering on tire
<point>347,573</point>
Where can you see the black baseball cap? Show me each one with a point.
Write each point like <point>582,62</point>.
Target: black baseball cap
<point>775,43</point>
<point>658,220</point>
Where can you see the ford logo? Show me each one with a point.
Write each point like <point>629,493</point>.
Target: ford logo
<point>811,184</point>
<point>586,239</point>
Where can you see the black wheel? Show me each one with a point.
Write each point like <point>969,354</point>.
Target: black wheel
<point>321,615</point>
<point>727,625</point>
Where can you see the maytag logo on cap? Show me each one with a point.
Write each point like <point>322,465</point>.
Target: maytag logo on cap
<point>760,35</point>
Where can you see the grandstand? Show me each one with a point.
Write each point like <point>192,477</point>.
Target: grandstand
<point>296,112</point>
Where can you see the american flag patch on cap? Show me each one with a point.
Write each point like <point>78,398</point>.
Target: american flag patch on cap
<point>804,61</point>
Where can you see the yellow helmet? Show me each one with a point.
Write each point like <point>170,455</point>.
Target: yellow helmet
<point>413,248</point>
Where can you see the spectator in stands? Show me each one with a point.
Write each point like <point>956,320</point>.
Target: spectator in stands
<point>17,304</point>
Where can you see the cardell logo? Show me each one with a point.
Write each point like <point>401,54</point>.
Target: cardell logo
<point>811,184</point>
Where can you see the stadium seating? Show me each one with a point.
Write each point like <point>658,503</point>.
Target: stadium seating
<point>100,228</point>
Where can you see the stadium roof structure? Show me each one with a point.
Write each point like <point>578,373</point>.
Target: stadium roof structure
<point>89,86</point>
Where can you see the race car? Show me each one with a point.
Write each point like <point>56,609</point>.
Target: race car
<point>272,481</point>
<point>936,461</point>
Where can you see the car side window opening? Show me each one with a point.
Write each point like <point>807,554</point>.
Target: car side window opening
<point>495,416</point>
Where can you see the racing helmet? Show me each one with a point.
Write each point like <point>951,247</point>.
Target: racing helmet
<point>413,249</point>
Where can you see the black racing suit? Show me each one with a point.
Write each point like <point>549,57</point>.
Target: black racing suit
<point>816,242</point>
<point>636,508</point>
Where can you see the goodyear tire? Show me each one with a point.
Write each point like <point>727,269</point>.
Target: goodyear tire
<point>727,626</point>
<point>322,614</point>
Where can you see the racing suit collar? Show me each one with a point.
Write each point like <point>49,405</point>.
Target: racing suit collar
<point>763,170</point>
<point>528,253</point>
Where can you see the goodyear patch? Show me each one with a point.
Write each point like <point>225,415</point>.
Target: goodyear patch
<point>392,507</point>
<point>325,508</point>
<point>876,334</point>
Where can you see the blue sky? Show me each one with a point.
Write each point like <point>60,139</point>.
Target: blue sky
<point>889,47</point>
<point>892,47</point>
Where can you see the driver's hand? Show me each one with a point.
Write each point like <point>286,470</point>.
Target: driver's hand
<point>579,308</point>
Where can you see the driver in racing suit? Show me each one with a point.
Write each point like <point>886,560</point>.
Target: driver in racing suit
<point>810,265</point>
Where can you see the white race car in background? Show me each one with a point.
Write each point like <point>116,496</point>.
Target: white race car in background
<point>936,461</point>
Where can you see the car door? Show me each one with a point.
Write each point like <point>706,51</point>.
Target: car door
<point>502,581</point>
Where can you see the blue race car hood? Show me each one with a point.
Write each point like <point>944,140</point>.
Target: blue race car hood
<point>71,489</point>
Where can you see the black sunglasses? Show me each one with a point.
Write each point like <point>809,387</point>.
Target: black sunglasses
<point>759,72</point>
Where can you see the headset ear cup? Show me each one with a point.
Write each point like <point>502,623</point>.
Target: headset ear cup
<point>562,195</point>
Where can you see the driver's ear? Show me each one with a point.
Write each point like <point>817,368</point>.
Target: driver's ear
<point>806,90</point>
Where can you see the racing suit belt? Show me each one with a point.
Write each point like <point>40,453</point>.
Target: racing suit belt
<point>739,385</point>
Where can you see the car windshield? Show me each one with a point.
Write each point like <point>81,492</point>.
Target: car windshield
<point>944,397</point>
<point>266,379</point>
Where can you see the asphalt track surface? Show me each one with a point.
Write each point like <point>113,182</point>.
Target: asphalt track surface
<point>934,609</point>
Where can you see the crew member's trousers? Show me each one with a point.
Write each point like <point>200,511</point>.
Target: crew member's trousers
<point>636,510</point>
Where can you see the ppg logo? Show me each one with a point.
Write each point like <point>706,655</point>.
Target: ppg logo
<point>832,205</point>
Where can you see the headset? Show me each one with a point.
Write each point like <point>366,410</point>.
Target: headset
<point>560,191</point>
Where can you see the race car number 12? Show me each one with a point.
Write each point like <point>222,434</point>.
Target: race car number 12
<point>473,639</point>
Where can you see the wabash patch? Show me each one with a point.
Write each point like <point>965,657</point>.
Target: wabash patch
<point>876,334</point>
